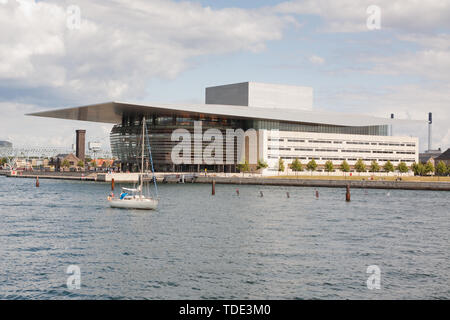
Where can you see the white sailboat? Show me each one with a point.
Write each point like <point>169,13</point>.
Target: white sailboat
<point>135,198</point>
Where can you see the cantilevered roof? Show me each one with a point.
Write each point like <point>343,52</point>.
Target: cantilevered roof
<point>112,112</point>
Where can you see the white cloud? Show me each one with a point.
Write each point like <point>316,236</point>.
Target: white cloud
<point>406,102</point>
<point>316,60</point>
<point>351,16</point>
<point>120,44</point>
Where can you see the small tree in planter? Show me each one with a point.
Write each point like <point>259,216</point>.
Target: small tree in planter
<point>65,164</point>
<point>402,167</point>
<point>261,165</point>
<point>243,167</point>
<point>388,167</point>
<point>375,167</point>
<point>281,166</point>
<point>329,167</point>
<point>418,169</point>
<point>360,166</point>
<point>312,166</point>
<point>296,166</point>
<point>345,167</point>
<point>428,168</point>
<point>441,169</point>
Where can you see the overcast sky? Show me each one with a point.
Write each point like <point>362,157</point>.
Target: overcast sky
<point>169,51</point>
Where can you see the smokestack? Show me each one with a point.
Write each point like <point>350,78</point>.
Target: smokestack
<point>81,144</point>
<point>430,124</point>
<point>392,129</point>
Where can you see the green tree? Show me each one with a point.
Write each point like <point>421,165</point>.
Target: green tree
<point>3,161</point>
<point>66,163</point>
<point>360,166</point>
<point>388,167</point>
<point>261,165</point>
<point>94,164</point>
<point>80,164</point>
<point>418,169</point>
<point>329,167</point>
<point>296,165</point>
<point>243,167</point>
<point>441,169</point>
<point>375,167</point>
<point>428,168</point>
<point>402,167</point>
<point>312,165</point>
<point>281,166</point>
<point>345,167</point>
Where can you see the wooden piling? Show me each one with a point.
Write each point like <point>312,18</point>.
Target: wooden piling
<point>213,191</point>
<point>112,184</point>
<point>348,195</point>
<point>37,182</point>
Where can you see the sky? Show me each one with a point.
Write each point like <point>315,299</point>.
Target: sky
<point>56,54</point>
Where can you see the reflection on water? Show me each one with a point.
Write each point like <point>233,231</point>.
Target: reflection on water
<point>197,246</point>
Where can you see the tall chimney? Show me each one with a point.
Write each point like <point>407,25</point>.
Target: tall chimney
<point>430,124</point>
<point>392,128</point>
<point>81,144</point>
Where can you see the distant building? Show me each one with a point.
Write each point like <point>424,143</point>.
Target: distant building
<point>445,157</point>
<point>60,159</point>
<point>429,156</point>
<point>5,144</point>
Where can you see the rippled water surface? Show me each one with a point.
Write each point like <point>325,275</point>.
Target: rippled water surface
<point>225,247</point>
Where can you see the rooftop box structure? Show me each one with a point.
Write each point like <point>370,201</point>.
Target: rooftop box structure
<point>261,95</point>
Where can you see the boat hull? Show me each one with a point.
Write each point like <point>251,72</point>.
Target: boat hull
<point>138,204</point>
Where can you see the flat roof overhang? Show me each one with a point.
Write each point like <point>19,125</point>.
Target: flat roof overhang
<point>112,112</point>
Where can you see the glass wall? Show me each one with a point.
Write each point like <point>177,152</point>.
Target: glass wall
<point>125,137</point>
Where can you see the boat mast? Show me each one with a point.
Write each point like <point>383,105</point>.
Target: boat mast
<point>142,160</point>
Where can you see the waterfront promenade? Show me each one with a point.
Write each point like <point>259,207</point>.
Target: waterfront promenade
<point>237,179</point>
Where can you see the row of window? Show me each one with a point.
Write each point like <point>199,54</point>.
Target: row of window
<point>343,150</point>
<point>342,142</point>
<point>284,157</point>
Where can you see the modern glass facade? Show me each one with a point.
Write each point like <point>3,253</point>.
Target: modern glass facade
<point>125,137</point>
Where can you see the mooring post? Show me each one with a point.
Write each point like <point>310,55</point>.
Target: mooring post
<point>348,195</point>
<point>213,187</point>
<point>112,184</point>
<point>288,195</point>
<point>237,192</point>
<point>37,182</point>
<point>317,194</point>
<point>261,194</point>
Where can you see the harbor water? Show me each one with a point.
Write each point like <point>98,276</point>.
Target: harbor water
<point>258,245</point>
